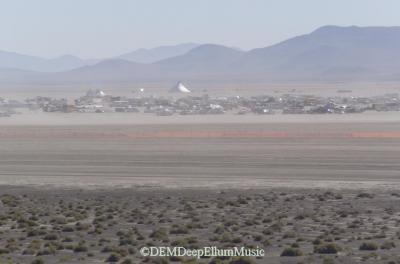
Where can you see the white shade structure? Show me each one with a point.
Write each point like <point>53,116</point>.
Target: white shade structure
<point>180,88</point>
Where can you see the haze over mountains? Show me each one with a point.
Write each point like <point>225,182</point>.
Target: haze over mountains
<point>329,53</point>
<point>12,60</point>
<point>158,53</point>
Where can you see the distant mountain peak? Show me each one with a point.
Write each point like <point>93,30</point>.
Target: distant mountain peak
<point>32,63</point>
<point>214,48</point>
<point>158,53</point>
<point>210,47</point>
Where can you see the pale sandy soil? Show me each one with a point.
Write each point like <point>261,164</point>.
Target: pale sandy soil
<point>298,154</point>
<point>38,118</point>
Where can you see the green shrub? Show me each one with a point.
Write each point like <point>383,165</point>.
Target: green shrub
<point>159,234</point>
<point>80,248</point>
<point>291,252</point>
<point>68,229</point>
<point>368,246</point>
<point>50,237</point>
<point>113,258</point>
<point>365,195</point>
<point>388,245</point>
<point>4,251</point>
<point>38,261</point>
<point>180,230</point>
<point>127,261</point>
<point>330,248</point>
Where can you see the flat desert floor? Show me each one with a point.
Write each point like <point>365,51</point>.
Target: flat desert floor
<point>269,154</point>
<point>307,190</point>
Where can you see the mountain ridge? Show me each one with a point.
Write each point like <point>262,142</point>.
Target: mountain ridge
<point>329,53</point>
<point>158,53</point>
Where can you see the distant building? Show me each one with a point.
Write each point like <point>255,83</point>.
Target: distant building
<point>95,93</point>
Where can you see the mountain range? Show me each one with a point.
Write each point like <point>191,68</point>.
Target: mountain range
<point>330,53</point>
<point>12,60</point>
<point>158,53</point>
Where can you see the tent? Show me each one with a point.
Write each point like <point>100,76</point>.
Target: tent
<point>180,88</point>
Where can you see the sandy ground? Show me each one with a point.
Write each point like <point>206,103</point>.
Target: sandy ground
<point>38,118</point>
<point>267,154</point>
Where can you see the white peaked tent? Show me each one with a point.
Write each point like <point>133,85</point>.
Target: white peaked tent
<point>180,88</point>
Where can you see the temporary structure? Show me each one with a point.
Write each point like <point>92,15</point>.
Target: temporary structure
<point>180,88</point>
<point>95,93</point>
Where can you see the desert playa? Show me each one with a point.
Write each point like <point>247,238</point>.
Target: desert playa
<point>92,189</point>
<point>220,153</point>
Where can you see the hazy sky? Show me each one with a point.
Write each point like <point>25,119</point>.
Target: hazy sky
<point>102,28</point>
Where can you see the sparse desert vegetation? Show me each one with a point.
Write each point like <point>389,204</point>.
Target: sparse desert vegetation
<point>39,225</point>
